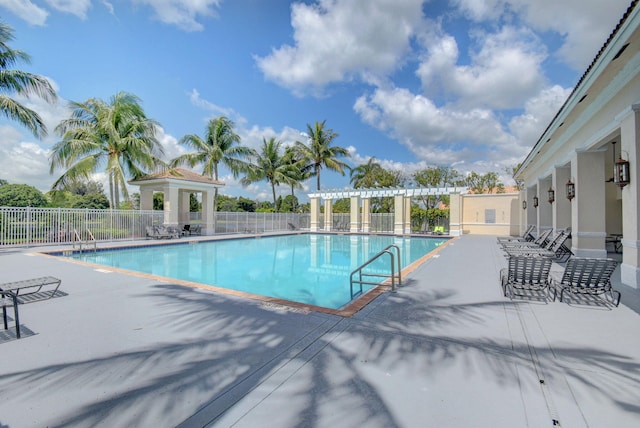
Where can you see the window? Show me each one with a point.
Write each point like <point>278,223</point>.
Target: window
<point>490,216</point>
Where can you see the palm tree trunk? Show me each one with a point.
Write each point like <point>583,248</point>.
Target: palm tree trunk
<point>318,176</point>
<point>273,192</point>
<point>111,191</point>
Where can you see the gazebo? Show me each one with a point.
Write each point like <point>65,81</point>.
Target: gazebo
<point>177,184</point>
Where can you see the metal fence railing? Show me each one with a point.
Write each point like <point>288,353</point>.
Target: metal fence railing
<point>245,222</point>
<point>27,226</point>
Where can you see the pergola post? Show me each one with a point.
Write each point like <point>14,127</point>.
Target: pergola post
<point>366,215</point>
<point>354,214</point>
<point>315,214</point>
<point>328,214</point>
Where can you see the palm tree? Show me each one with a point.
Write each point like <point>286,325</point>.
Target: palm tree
<point>221,145</point>
<point>319,152</point>
<point>366,175</point>
<point>116,135</point>
<point>271,166</point>
<point>22,83</point>
<point>297,172</point>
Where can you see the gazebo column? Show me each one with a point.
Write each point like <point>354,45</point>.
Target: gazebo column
<point>183,200</point>
<point>146,198</point>
<point>366,215</point>
<point>207,213</point>
<point>630,141</point>
<point>354,214</point>
<point>314,224</point>
<point>588,218</point>
<point>455,214</point>
<point>171,206</point>
<point>328,214</point>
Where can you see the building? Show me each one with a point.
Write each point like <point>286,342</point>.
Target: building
<point>582,173</point>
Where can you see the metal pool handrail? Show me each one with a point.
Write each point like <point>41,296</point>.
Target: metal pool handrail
<point>359,270</point>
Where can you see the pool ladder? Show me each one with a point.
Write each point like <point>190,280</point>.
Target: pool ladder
<point>359,271</point>
<point>77,238</point>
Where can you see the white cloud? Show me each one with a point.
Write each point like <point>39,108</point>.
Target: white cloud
<point>337,40</point>
<point>23,161</point>
<point>439,135</point>
<point>26,10</point>
<point>538,113</point>
<point>504,72</point>
<point>584,24</point>
<point>183,14</point>
<point>78,8</point>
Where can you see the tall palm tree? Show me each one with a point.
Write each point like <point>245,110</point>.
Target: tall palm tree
<point>297,172</point>
<point>270,165</point>
<point>22,83</point>
<point>320,153</point>
<point>221,145</point>
<point>366,175</point>
<point>116,135</point>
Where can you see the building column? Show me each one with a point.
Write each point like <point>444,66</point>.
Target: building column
<point>398,215</point>
<point>588,217</point>
<point>630,141</point>
<point>562,205</point>
<point>545,216</point>
<point>207,213</point>
<point>366,215</point>
<point>171,206</point>
<point>455,214</point>
<point>146,198</point>
<point>354,214</point>
<point>522,216</point>
<point>314,205</point>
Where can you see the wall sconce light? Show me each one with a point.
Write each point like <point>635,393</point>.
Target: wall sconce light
<point>622,172</point>
<point>524,205</point>
<point>535,202</point>
<point>571,190</point>
<point>552,195</point>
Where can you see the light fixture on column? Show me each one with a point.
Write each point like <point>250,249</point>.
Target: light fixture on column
<point>552,195</point>
<point>535,202</point>
<point>524,205</point>
<point>571,190</point>
<point>622,172</point>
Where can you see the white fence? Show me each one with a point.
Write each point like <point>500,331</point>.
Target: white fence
<point>41,226</point>
<point>26,227</point>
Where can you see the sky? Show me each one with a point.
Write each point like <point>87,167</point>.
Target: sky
<point>467,84</point>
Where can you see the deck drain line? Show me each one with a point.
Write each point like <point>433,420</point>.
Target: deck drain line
<point>544,387</point>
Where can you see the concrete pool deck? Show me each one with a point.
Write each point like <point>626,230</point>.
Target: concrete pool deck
<point>446,350</point>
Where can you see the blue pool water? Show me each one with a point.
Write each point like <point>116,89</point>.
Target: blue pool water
<point>307,268</point>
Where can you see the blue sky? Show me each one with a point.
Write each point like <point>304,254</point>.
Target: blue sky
<point>464,83</point>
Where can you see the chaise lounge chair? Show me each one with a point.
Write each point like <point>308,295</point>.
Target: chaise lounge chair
<point>160,232</point>
<point>555,248</point>
<point>584,275</point>
<point>527,236</point>
<point>525,274</point>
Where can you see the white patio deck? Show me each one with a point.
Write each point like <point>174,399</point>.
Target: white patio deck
<point>446,350</point>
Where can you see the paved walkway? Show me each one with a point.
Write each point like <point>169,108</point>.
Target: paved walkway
<point>446,350</point>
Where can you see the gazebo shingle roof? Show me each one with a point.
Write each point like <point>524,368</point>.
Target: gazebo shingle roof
<point>178,174</point>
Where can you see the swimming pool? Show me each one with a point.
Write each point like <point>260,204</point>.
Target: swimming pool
<point>311,269</point>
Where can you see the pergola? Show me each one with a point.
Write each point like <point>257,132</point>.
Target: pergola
<point>360,208</point>
<point>177,184</point>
